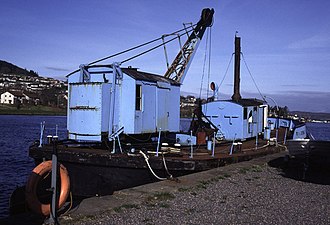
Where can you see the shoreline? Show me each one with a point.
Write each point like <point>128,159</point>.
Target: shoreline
<point>32,110</point>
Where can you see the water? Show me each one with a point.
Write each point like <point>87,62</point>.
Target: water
<point>320,131</point>
<point>17,133</point>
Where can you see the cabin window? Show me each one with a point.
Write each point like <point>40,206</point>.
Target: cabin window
<point>245,113</point>
<point>138,97</point>
<point>250,120</point>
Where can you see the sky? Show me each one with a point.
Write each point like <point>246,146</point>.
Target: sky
<point>285,44</point>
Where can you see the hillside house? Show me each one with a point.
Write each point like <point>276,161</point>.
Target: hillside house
<point>12,97</point>
<point>31,98</point>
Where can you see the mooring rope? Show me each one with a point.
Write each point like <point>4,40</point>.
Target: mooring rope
<point>168,173</point>
<point>148,164</point>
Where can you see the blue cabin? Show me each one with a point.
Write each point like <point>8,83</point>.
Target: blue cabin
<point>237,120</point>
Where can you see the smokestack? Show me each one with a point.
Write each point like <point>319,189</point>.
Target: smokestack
<point>237,96</point>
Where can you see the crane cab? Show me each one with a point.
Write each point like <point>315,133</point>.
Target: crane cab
<point>106,99</point>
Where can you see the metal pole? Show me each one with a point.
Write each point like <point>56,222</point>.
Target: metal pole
<point>158,143</point>
<point>286,130</point>
<point>257,141</point>
<point>232,146</point>
<point>191,146</point>
<point>42,128</point>
<point>54,203</point>
<point>277,119</point>
<point>121,151</point>
<point>213,147</point>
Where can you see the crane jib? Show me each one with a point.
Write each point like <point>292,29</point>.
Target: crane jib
<point>178,69</point>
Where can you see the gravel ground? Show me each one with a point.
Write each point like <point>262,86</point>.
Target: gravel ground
<point>253,195</point>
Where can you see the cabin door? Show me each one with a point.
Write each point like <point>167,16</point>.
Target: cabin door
<point>88,114</point>
<point>162,109</point>
<point>149,109</point>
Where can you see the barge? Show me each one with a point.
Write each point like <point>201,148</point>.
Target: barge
<point>123,125</point>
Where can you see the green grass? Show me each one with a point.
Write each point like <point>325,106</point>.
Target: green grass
<point>203,184</point>
<point>159,199</point>
<point>125,206</point>
<point>161,196</point>
<point>254,168</point>
<point>31,110</point>
<point>182,189</point>
<point>244,170</point>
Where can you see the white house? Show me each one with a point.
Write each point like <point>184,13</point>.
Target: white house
<point>12,97</point>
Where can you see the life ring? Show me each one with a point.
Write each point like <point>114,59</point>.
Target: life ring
<point>31,187</point>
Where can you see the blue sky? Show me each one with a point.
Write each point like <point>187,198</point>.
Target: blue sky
<point>286,44</point>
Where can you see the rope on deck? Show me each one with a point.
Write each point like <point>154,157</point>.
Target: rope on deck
<point>148,164</point>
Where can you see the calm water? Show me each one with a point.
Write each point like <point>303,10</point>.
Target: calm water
<point>18,132</point>
<point>320,131</point>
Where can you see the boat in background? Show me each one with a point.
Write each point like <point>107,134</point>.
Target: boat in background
<point>305,146</point>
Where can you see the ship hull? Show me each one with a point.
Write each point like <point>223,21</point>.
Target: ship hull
<point>97,172</point>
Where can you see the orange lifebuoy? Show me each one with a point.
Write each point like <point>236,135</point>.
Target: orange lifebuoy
<point>32,183</point>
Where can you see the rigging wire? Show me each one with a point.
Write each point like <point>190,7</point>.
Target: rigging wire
<point>205,57</point>
<point>231,59</point>
<point>262,96</point>
<point>136,47</point>
<point>209,66</point>
<point>151,49</point>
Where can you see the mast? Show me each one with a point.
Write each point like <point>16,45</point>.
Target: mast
<point>237,96</point>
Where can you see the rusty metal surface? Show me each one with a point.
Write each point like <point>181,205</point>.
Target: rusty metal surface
<point>202,158</point>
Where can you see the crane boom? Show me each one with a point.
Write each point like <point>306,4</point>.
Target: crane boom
<point>179,67</point>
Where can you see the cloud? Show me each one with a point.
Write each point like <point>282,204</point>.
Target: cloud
<point>308,101</point>
<point>311,101</point>
<point>316,41</point>
<point>57,69</point>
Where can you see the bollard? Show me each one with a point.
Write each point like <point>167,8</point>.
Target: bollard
<point>49,139</point>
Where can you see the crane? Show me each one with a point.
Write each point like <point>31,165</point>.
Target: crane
<point>179,67</point>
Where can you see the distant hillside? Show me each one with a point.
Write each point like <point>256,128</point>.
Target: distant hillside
<point>312,115</point>
<point>8,68</point>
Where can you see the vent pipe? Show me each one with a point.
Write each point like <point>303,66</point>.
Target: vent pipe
<point>237,96</point>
